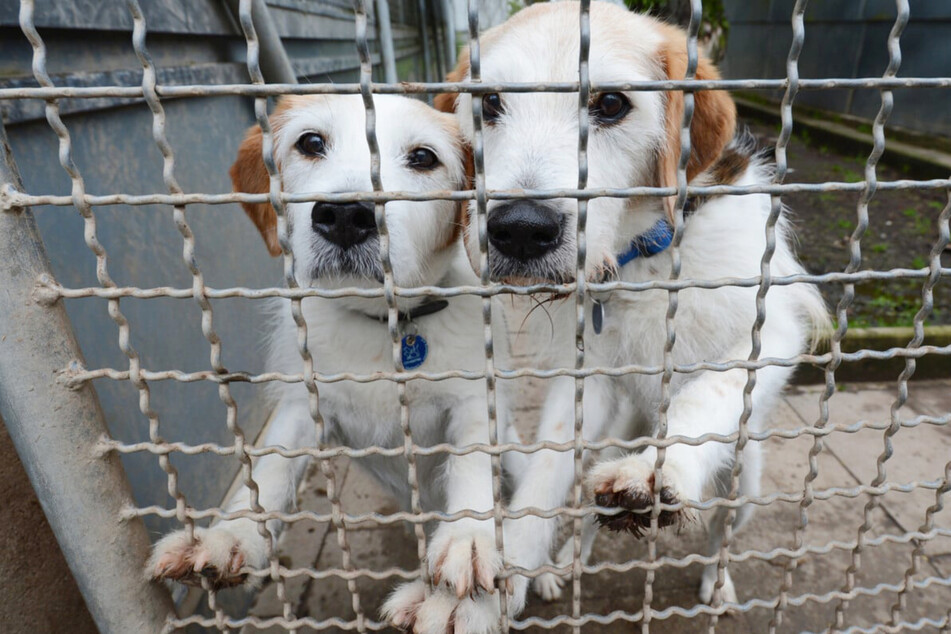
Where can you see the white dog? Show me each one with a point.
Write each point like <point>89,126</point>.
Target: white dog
<point>320,146</point>
<point>531,142</point>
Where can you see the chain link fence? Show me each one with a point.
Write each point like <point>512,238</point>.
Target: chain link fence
<point>47,293</point>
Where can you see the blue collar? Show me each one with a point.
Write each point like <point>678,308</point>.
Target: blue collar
<point>649,243</point>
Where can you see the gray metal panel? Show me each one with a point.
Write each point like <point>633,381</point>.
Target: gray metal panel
<point>170,16</point>
<point>831,49</point>
<point>752,11</point>
<point>830,12</point>
<point>847,39</point>
<point>926,52</point>
<point>115,152</point>
<point>919,10</point>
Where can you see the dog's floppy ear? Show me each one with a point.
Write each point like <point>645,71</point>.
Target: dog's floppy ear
<point>714,116</point>
<point>446,102</point>
<point>249,176</point>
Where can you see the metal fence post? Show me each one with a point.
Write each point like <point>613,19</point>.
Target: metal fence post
<point>57,432</point>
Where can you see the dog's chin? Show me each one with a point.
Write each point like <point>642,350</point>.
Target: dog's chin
<point>341,275</point>
<point>555,267</point>
<point>343,279</point>
<point>359,266</point>
<point>518,273</point>
<point>529,274</point>
<point>521,280</point>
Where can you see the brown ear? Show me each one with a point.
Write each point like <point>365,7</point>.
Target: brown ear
<point>446,102</point>
<point>249,176</point>
<point>714,116</point>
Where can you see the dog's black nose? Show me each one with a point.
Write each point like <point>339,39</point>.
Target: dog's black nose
<point>344,224</point>
<point>524,229</point>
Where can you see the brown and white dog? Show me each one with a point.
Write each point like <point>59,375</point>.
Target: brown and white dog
<point>531,142</point>
<point>320,146</point>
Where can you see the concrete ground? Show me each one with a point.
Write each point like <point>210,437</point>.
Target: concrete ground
<point>32,567</point>
<point>921,453</point>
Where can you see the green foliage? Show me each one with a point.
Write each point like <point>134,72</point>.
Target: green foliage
<point>714,24</point>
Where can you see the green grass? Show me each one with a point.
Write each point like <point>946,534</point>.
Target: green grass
<point>851,176</point>
<point>848,174</point>
<point>920,224</point>
<point>845,224</point>
<point>881,247</point>
<point>919,263</point>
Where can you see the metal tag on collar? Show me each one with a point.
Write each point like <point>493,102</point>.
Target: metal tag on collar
<point>597,316</point>
<point>413,347</point>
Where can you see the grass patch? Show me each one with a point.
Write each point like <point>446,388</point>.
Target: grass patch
<point>845,224</point>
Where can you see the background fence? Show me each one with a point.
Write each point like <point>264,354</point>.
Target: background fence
<point>89,45</point>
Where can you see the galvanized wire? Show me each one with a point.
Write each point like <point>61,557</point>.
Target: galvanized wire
<point>672,303</point>
<point>290,279</point>
<point>416,88</point>
<point>11,198</point>
<point>792,73</point>
<point>366,79</point>
<point>198,293</point>
<point>78,193</point>
<point>878,133</point>
<point>481,202</point>
<point>139,376</point>
<point>584,92</point>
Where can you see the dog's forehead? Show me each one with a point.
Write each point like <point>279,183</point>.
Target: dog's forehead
<point>399,120</point>
<point>542,44</point>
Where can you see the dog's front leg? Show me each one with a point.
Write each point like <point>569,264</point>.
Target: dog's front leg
<point>462,557</point>
<point>550,474</point>
<point>712,403</point>
<point>544,483</point>
<point>223,552</point>
<point>462,554</point>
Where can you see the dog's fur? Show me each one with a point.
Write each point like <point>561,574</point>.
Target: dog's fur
<point>534,145</point>
<point>346,335</point>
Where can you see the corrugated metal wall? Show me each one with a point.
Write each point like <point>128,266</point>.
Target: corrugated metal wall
<point>192,41</point>
<point>847,39</point>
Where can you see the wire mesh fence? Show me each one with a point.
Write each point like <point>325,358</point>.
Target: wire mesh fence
<point>802,494</point>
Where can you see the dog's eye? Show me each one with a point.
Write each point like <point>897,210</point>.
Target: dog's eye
<point>491,107</point>
<point>422,159</point>
<point>609,108</point>
<point>311,144</point>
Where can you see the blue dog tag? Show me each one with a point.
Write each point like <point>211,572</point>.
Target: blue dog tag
<point>414,350</point>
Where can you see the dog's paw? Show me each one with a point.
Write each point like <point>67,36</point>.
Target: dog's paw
<point>401,607</point>
<point>628,484</point>
<point>548,586</point>
<point>215,555</point>
<point>409,609</point>
<point>709,581</point>
<point>464,559</point>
